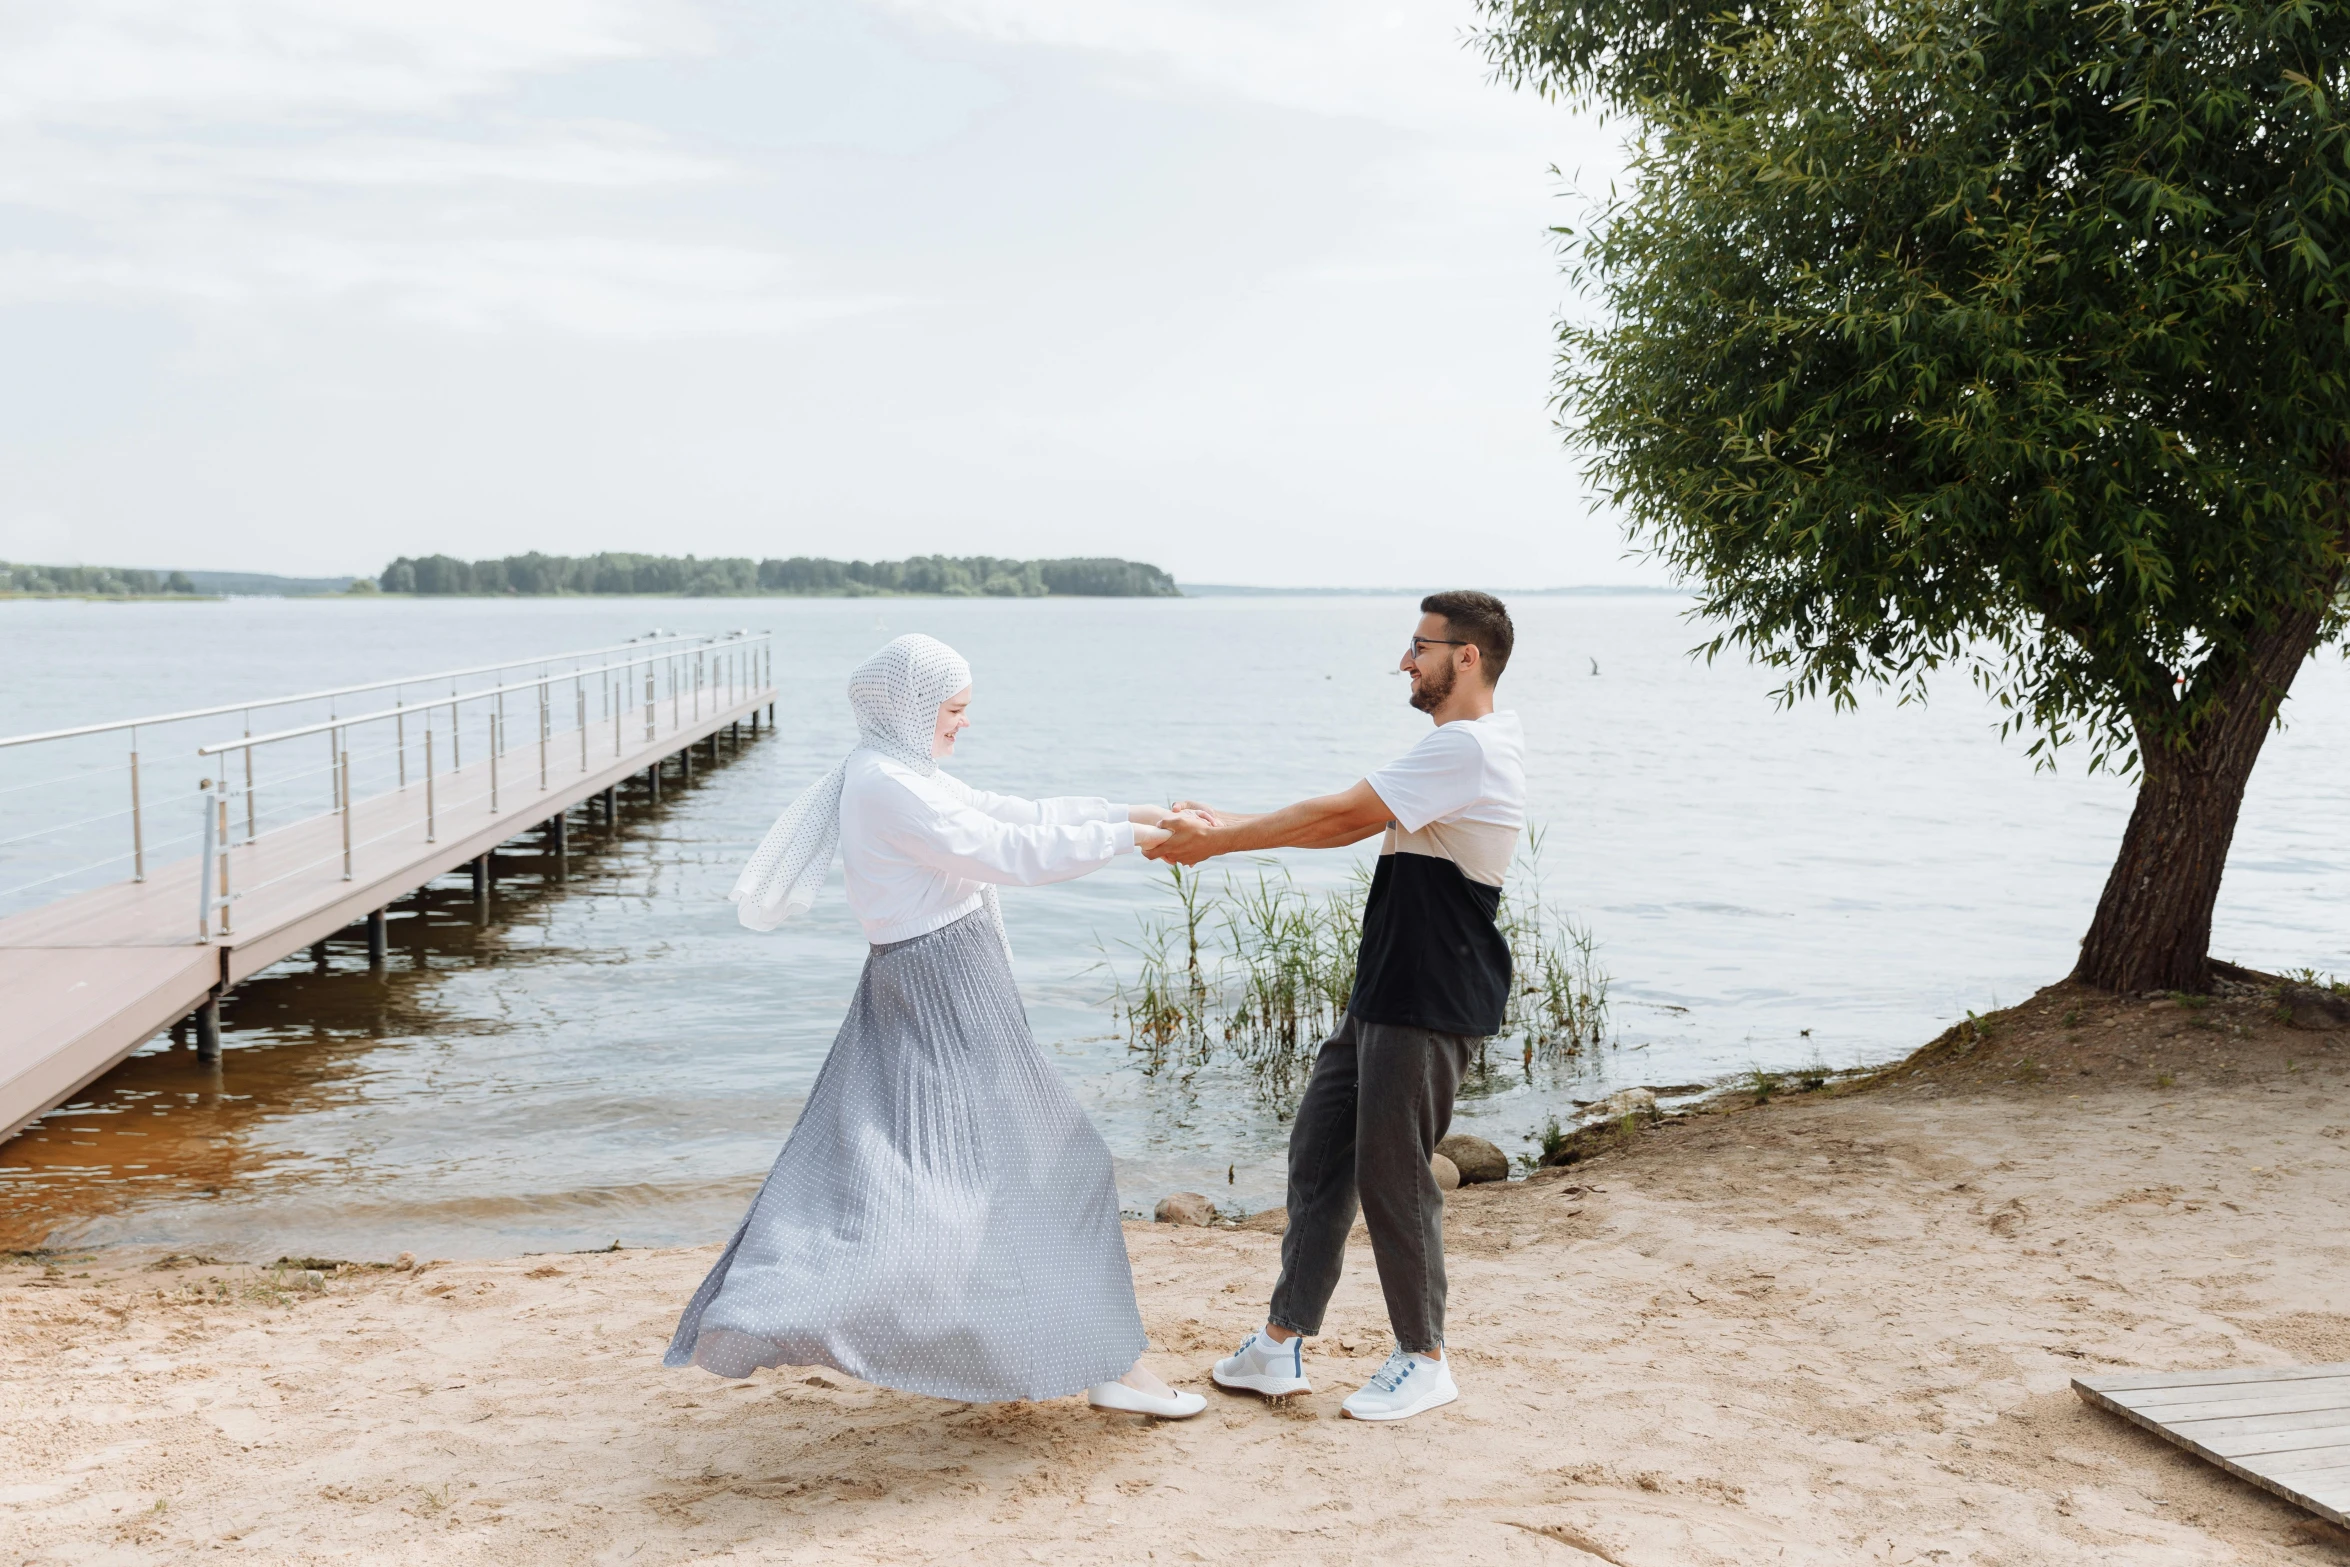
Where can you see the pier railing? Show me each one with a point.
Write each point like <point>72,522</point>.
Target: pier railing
<point>75,812</point>
<point>285,834</point>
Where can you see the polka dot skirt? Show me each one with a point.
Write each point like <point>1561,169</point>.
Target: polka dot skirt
<point>943,1218</point>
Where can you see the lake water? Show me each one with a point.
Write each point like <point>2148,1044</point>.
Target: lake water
<point>611,1057</point>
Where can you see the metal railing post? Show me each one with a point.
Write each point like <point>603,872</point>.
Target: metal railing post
<point>543,722</point>
<point>343,752</point>
<point>431,823</point>
<point>138,823</point>
<point>204,869</point>
<point>220,794</point>
<point>579,700</point>
<point>493,718</point>
<point>252,825</point>
<point>400,733</point>
<point>650,699</point>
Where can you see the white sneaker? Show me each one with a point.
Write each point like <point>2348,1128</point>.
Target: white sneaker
<point>1407,1385</point>
<point>1177,1405</point>
<point>1264,1365</point>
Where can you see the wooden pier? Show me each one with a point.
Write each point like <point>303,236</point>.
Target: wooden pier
<point>89,978</point>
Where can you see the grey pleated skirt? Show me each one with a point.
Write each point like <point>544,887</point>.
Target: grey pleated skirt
<point>943,1218</point>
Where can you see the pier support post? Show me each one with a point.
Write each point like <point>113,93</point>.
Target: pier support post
<point>611,807</point>
<point>653,782</point>
<point>318,953</point>
<point>481,878</point>
<point>562,825</point>
<point>685,759</point>
<point>771,713</point>
<point>754,723</point>
<point>378,940</point>
<point>208,1028</point>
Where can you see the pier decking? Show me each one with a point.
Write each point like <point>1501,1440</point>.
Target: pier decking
<point>2286,1430</point>
<point>87,979</point>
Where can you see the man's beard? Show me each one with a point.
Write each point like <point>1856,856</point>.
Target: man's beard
<point>1429,691</point>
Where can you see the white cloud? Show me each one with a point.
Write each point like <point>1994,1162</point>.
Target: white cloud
<point>135,180</point>
<point>587,285</point>
<point>258,155</point>
<point>117,62</point>
<point>1184,279</point>
<point>1409,64</point>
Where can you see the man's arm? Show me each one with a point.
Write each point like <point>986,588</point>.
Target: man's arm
<point>1327,821</point>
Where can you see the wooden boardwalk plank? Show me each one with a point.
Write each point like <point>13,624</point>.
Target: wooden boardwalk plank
<point>2206,1391</point>
<point>88,979</point>
<point>2163,1379</point>
<point>2307,1397</point>
<point>2315,1460</point>
<point>2285,1429</point>
<point>2333,1438</point>
<point>2260,1425</point>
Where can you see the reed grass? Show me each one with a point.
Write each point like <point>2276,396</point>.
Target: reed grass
<point>1252,969</point>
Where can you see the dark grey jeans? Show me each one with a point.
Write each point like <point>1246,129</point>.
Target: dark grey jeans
<point>1377,1104</point>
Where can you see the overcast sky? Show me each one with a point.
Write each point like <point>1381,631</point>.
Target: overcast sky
<point>1260,290</point>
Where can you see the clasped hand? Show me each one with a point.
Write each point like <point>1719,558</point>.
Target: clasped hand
<point>1179,836</point>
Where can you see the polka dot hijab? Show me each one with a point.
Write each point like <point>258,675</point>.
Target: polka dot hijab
<point>895,696</point>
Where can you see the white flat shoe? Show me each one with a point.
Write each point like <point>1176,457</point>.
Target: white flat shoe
<point>1177,1405</point>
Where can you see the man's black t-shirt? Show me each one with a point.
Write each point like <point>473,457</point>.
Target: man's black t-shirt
<point>1432,955</point>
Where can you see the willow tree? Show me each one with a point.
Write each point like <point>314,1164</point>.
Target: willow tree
<point>2008,337</point>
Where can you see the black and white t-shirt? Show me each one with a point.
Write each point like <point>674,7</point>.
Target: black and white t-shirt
<point>1432,955</point>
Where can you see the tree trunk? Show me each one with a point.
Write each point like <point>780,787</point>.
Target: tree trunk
<point>2152,930</point>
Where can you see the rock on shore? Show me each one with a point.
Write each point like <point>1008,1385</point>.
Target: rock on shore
<point>1477,1160</point>
<point>1184,1208</point>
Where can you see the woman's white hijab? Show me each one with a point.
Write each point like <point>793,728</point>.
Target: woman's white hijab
<point>895,696</point>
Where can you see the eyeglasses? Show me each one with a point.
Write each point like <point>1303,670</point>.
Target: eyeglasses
<point>1421,643</point>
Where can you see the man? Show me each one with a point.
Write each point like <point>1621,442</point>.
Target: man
<point>1431,980</point>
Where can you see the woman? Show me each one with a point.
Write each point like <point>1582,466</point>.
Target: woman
<point>942,1219</point>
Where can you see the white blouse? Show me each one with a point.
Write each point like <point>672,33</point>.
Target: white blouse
<point>918,849</point>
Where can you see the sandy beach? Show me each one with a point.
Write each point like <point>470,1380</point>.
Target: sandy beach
<point>1836,1327</point>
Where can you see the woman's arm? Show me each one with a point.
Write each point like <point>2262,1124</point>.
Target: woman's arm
<point>1058,811</point>
<point>938,830</point>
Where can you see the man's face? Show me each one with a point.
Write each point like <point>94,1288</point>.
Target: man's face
<point>1429,662</point>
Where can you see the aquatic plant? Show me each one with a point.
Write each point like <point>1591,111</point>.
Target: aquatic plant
<point>1166,1008</point>
<point>1558,994</point>
<point>1292,960</point>
<point>1554,1137</point>
<point>1258,970</point>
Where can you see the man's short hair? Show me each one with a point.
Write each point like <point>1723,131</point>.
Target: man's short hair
<point>1480,618</point>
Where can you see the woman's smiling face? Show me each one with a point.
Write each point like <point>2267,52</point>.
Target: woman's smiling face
<point>953,719</point>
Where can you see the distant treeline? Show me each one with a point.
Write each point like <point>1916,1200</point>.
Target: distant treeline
<point>724,576</point>
<point>113,581</point>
